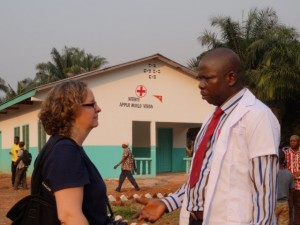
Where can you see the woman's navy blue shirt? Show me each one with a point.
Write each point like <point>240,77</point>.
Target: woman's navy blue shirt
<point>67,166</point>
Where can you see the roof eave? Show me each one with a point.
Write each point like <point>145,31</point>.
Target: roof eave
<point>18,99</point>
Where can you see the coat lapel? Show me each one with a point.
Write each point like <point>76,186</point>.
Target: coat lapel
<point>220,148</point>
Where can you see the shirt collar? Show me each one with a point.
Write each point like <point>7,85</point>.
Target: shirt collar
<point>229,105</point>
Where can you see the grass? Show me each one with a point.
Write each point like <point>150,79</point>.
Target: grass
<point>128,209</point>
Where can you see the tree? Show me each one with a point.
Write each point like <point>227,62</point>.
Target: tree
<point>239,36</point>
<point>22,86</point>
<point>270,52</point>
<point>3,88</point>
<point>25,85</point>
<point>71,62</point>
<point>8,91</point>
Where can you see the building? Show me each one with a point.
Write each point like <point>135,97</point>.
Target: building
<point>150,102</point>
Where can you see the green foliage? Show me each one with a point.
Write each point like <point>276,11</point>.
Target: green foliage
<point>70,62</point>
<point>3,86</point>
<point>271,54</point>
<point>127,210</point>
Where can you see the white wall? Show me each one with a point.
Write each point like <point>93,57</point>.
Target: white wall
<point>27,114</point>
<point>181,103</point>
<point>181,100</point>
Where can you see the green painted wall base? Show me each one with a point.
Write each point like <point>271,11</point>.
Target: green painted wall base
<point>105,157</point>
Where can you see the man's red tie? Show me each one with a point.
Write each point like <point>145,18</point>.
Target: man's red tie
<point>199,155</point>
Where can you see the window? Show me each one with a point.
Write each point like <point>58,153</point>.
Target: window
<point>25,137</point>
<point>17,131</point>
<point>41,136</point>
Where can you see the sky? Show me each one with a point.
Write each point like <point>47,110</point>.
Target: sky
<point>120,31</point>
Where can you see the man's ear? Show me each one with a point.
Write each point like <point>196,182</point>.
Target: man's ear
<point>231,78</point>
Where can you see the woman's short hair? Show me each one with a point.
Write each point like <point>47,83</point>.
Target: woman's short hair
<point>60,106</point>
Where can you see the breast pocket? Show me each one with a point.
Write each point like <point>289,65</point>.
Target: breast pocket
<point>238,145</point>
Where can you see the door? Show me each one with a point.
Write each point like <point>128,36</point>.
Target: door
<point>164,150</point>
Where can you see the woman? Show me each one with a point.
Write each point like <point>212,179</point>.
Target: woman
<point>70,110</point>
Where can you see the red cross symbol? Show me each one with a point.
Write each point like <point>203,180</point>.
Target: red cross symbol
<point>141,91</point>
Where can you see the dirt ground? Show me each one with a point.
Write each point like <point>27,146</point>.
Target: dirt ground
<point>163,183</point>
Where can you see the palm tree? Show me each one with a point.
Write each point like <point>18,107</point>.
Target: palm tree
<point>270,51</point>
<point>22,86</point>
<point>276,74</point>
<point>52,71</point>
<point>3,88</point>
<point>25,85</point>
<point>239,36</point>
<point>10,93</point>
<point>71,62</point>
<point>193,63</point>
<point>91,62</point>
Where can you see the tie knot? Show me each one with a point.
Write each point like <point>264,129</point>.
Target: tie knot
<point>218,112</point>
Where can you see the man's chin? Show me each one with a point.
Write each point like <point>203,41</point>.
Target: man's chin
<point>206,98</point>
<point>210,100</point>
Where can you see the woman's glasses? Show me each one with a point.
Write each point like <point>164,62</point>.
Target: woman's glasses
<point>92,105</point>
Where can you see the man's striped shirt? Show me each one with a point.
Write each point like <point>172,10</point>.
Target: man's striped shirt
<point>261,172</point>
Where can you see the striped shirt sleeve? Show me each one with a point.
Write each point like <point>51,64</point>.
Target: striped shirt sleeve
<point>263,173</point>
<point>174,201</point>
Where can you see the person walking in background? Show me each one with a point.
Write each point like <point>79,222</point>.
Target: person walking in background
<point>128,167</point>
<point>70,110</point>
<point>14,157</point>
<point>292,155</point>
<point>21,168</point>
<point>285,187</point>
<point>235,163</point>
<point>190,149</point>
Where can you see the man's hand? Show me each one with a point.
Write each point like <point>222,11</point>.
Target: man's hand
<point>116,166</point>
<point>153,210</point>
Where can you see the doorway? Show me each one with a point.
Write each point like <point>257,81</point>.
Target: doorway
<point>164,150</point>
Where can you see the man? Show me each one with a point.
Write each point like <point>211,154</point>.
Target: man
<point>293,165</point>
<point>21,168</point>
<point>128,166</point>
<point>236,182</point>
<point>285,188</point>
<point>14,157</point>
<point>190,149</point>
